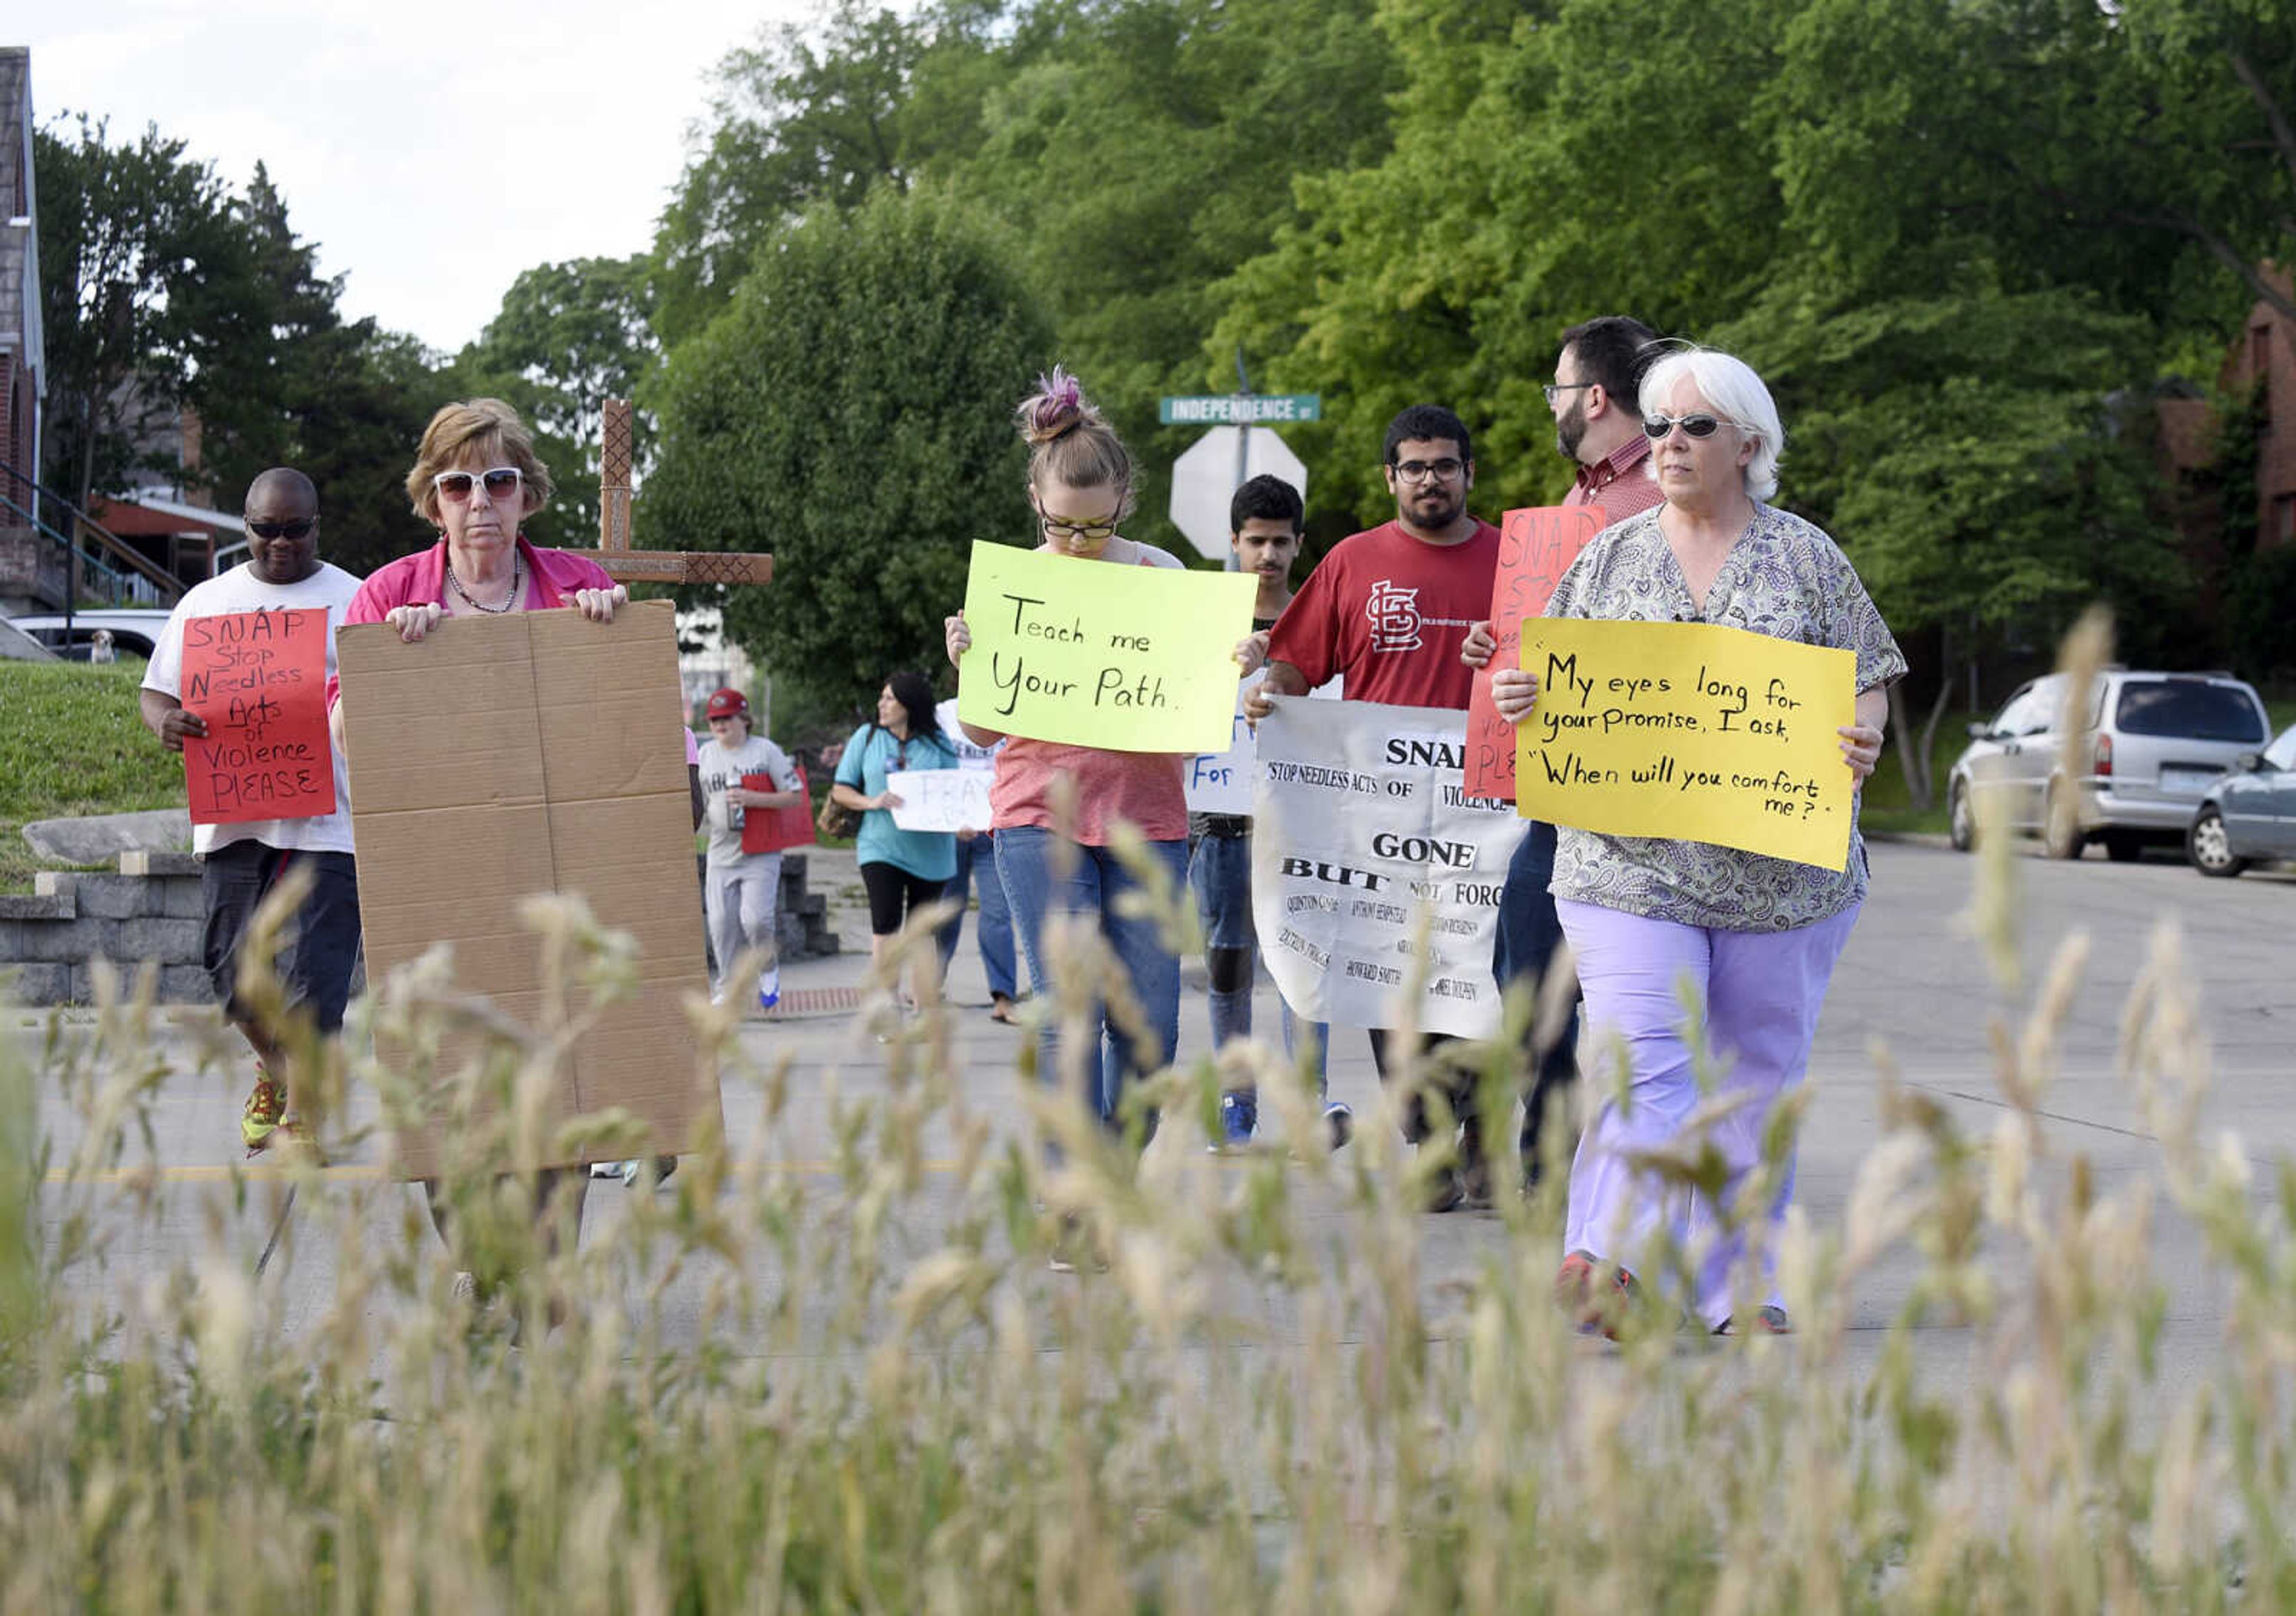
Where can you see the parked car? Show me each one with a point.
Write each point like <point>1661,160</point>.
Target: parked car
<point>133,630</point>
<point>2161,741</point>
<point>2248,815</point>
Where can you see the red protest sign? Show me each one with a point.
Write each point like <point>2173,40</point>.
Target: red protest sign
<point>770,830</point>
<point>1536,547</point>
<point>260,679</point>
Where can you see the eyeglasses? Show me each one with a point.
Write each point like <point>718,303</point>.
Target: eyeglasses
<point>1556,389</point>
<point>300,528</point>
<point>1655,427</point>
<point>1088,531</point>
<point>1420,471</point>
<point>502,481</point>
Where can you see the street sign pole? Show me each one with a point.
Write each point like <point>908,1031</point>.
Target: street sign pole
<point>1243,446</point>
<point>1200,504</point>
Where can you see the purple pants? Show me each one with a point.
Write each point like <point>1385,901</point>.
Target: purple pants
<point>1760,992</point>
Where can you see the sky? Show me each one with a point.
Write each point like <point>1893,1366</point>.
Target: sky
<point>432,149</point>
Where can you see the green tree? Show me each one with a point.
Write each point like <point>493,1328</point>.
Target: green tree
<point>808,115</point>
<point>1137,152</point>
<point>1131,154</point>
<point>131,238</point>
<point>1546,164</point>
<point>847,413</point>
<point>285,380</point>
<point>568,337</point>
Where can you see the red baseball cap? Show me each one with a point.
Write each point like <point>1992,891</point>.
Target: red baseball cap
<point>729,703</point>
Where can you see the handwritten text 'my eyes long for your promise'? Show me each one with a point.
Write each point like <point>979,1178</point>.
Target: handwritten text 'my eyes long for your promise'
<point>1732,701</point>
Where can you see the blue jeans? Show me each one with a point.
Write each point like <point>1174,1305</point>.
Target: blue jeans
<point>1219,873</point>
<point>976,862</point>
<point>1529,934</point>
<point>1038,886</point>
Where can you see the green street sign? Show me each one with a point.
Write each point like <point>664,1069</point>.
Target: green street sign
<point>1245,409</point>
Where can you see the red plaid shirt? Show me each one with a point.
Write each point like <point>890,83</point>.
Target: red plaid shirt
<point>1620,484</point>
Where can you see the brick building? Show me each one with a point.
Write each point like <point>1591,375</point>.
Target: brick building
<point>21,355</point>
<point>2263,362</point>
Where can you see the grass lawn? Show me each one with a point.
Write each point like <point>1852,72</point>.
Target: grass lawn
<point>72,742</point>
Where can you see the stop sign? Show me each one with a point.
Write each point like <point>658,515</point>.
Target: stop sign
<point>1205,478</point>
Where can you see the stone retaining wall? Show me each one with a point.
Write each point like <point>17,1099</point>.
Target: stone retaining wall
<point>152,911</point>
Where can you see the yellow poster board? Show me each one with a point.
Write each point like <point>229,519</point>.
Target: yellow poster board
<point>1688,730</point>
<point>1093,653</point>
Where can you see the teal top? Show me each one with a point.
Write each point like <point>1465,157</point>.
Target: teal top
<point>871,755</point>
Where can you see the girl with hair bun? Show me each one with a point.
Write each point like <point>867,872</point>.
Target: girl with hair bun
<point>1056,807</point>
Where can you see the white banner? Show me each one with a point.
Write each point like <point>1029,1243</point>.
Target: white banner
<point>940,799</point>
<point>1362,837</point>
<point>1221,782</point>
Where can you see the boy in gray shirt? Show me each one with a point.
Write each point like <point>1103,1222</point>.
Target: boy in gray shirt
<point>742,898</point>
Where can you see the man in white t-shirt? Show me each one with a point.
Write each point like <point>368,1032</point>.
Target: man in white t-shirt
<point>743,896</point>
<point>239,863</point>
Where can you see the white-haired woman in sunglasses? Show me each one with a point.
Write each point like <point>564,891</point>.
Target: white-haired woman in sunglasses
<point>1755,937</point>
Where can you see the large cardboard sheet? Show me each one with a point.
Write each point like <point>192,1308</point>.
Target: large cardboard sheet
<point>503,757</point>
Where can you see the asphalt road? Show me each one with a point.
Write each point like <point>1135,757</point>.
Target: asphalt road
<point>1915,989</point>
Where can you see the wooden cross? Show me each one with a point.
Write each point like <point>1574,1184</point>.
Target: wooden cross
<point>625,565</point>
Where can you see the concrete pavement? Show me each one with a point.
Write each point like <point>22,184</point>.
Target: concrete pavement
<point>1913,985</point>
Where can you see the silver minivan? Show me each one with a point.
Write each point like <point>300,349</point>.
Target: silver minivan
<point>2162,739</point>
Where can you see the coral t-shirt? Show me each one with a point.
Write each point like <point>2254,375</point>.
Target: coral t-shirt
<point>1389,613</point>
<point>1148,789</point>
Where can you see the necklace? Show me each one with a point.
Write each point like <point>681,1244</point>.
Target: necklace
<point>517,580</point>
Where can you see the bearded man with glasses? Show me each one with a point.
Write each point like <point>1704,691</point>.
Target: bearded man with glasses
<point>1598,427</point>
<point>1387,611</point>
<point>239,863</point>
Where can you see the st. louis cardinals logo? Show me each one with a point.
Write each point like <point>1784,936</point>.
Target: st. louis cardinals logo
<point>1394,614</point>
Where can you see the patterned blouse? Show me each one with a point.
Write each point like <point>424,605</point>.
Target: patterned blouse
<point>1783,578</point>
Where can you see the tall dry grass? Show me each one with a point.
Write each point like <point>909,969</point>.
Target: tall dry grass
<point>864,1389</point>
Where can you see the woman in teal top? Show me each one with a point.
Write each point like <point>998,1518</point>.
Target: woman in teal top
<point>903,870</point>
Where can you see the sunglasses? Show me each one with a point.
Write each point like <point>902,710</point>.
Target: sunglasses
<point>502,481</point>
<point>1655,427</point>
<point>300,528</point>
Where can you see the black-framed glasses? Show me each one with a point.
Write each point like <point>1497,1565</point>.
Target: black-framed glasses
<point>297,528</point>
<point>1655,427</point>
<point>1055,528</point>
<point>1420,471</point>
<point>1556,389</point>
<point>501,482</point>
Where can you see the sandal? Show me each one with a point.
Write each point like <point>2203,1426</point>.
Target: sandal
<point>1768,1320</point>
<point>264,1111</point>
<point>1000,1008</point>
<point>1596,1308</point>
